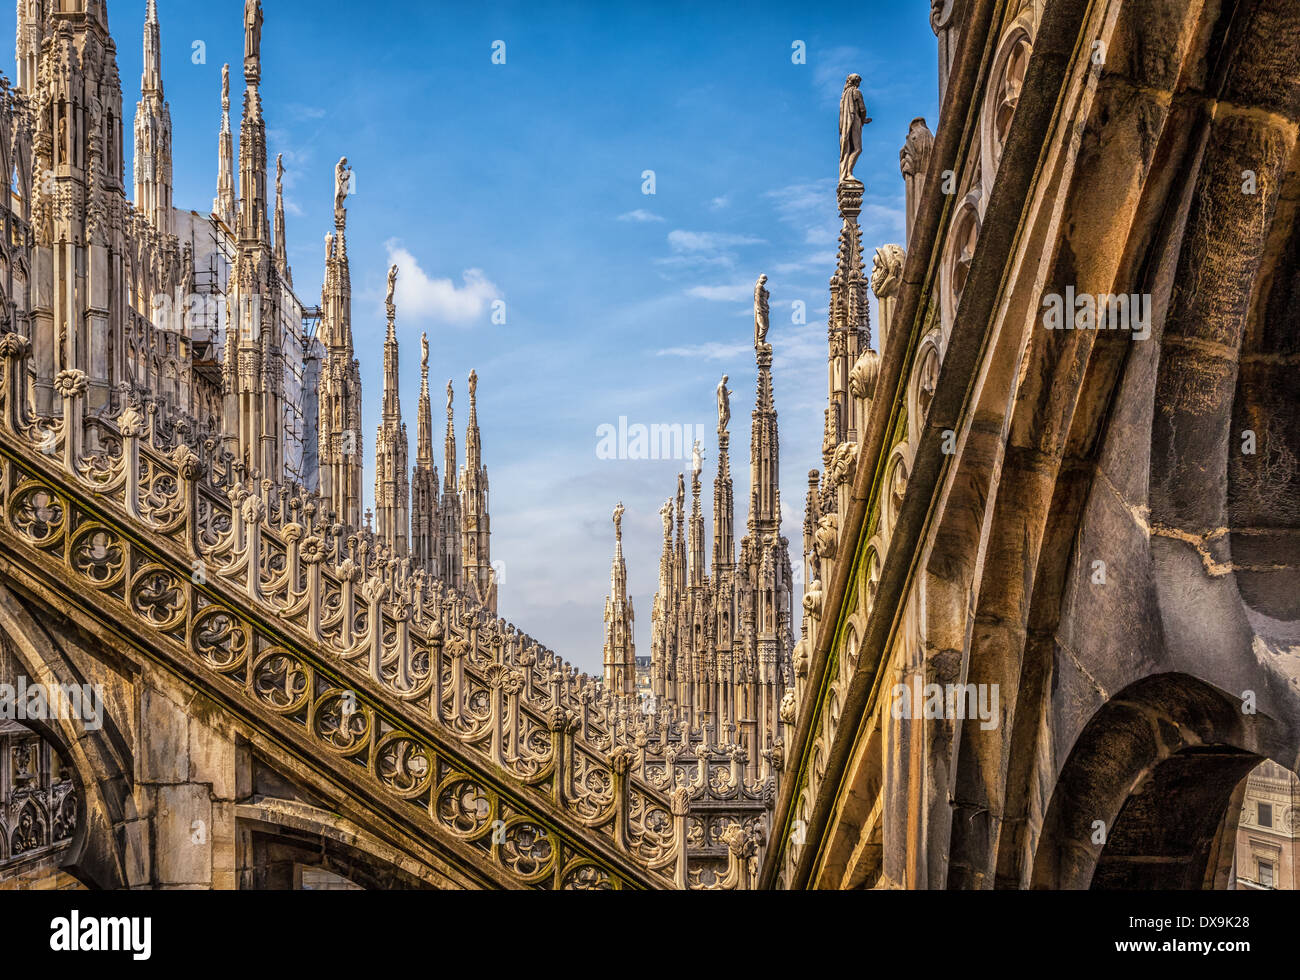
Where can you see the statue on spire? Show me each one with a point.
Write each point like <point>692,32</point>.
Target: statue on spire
<point>252,30</point>
<point>473,385</point>
<point>724,405</point>
<point>450,396</point>
<point>853,116</point>
<point>342,180</point>
<point>392,288</point>
<point>618,521</point>
<point>424,352</point>
<point>697,459</point>
<point>762,312</point>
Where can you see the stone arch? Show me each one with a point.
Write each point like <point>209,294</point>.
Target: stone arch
<point>274,835</point>
<point>959,249</point>
<point>921,386</point>
<point>1003,94</point>
<point>1147,793</point>
<point>108,839</point>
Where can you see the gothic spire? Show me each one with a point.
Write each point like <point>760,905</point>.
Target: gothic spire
<point>765,487</point>
<point>153,134</point>
<point>224,205</point>
<point>620,647</point>
<point>392,390</point>
<point>340,384</point>
<point>424,430</point>
<point>724,516</point>
<point>281,246</point>
<point>424,479</point>
<point>477,552</point>
<point>695,559</point>
<point>391,448</point>
<point>253,223</point>
<point>450,456</point>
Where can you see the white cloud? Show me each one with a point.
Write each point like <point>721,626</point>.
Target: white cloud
<point>640,215</point>
<point>711,351</point>
<point>728,294</point>
<point>816,262</point>
<point>439,299</point>
<point>707,241</point>
<point>718,203</point>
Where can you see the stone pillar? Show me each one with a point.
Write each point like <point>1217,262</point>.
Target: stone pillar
<point>185,785</point>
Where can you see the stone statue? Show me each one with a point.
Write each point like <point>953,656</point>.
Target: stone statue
<point>761,312</point>
<point>697,458</point>
<point>473,385</point>
<point>329,245</point>
<point>618,521</point>
<point>424,352</point>
<point>342,178</point>
<point>279,174</point>
<point>450,395</point>
<point>392,286</point>
<point>887,270</point>
<point>252,28</point>
<point>666,512</point>
<point>724,405</point>
<point>853,116</point>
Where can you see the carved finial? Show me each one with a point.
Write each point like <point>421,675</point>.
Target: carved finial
<point>853,116</point>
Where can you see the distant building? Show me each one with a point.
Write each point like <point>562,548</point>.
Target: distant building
<point>1268,835</point>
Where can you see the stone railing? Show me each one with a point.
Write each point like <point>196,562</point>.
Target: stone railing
<point>444,706</point>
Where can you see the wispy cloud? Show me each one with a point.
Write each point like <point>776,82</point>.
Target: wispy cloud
<point>641,215</point>
<point>809,208</point>
<point>711,351</point>
<point>707,241</point>
<point>815,262</point>
<point>729,294</point>
<point>419,294</point>
<point>297,112</point>
<point>833,65</point>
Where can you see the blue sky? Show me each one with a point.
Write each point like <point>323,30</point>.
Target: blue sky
<point>523,182</point>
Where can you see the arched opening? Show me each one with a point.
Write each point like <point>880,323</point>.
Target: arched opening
<point>1151,793</point>
<point>40,807</point>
